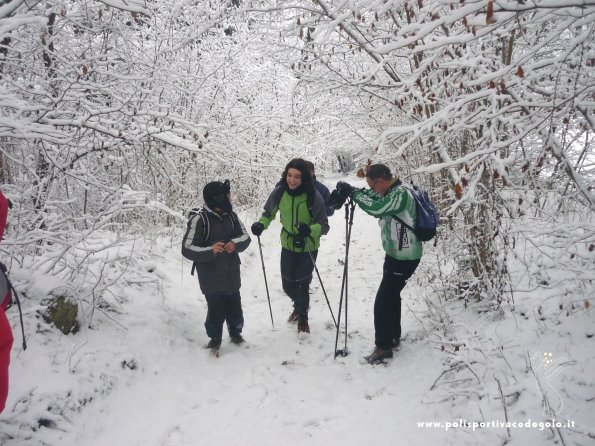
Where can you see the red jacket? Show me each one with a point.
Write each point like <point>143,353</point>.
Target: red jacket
<point>6,338</point>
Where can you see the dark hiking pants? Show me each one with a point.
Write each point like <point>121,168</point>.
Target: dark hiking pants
<point>296,275</point>
<point>221,308</point>
<point>387,307</point>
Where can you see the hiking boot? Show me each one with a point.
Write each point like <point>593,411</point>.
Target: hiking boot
<point>236,339</point>
<point>294,316</point>
<point>214,344</point>
<point>379,355</point>
<point>303,326</point>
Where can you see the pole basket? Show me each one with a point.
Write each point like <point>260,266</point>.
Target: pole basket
<point>342,352</point>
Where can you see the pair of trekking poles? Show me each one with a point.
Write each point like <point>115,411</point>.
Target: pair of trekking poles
<point>349,210</point>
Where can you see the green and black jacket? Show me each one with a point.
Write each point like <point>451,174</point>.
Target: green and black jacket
<point>295,209</point>
<point>398,241</point>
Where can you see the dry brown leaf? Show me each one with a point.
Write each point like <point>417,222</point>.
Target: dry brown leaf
<point>490,19</point>
<point>458,191</point>
<point>520,72</point>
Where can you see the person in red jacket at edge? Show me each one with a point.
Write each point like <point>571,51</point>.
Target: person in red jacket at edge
<point>6,337</point>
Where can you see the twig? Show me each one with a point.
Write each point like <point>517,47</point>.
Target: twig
<point>503,405</point>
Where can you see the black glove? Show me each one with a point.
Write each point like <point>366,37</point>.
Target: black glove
<point>257,228</point>
<point>340,195</point>
<point>304,229</point>
<point>344,190</point>
<point>335,201</point>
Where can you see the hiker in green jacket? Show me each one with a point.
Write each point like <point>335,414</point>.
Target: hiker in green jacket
<point>385,200</point>
<point>303,219</point>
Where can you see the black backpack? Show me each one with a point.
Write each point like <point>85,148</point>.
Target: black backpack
<point>206,228</point>
<point>205,222</point>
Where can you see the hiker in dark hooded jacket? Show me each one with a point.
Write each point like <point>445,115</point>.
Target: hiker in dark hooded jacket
<point>6,337</point>
<point>303,220</point>
<point>213,239</point>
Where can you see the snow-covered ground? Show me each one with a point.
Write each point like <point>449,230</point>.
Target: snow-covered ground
<point>142,376</point>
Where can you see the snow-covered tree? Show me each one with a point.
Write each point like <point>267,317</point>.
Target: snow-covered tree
<point>487,103</point>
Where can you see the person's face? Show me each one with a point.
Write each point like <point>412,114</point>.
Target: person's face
<point>378,185</point>
<point>220,211</point>
<point>294,178</point>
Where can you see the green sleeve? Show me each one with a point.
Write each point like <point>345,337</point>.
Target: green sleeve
<point>271,207</point>
<point>393,203</point>
<point>268,217</point>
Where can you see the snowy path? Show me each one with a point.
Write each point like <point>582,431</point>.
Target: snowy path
<point>278,389</point>
<point>142,376</point>
<point>155,384</point>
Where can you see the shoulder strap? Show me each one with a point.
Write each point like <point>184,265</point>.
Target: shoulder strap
<point>5,289</point>
<point>16,298</point>
<point>202,216</point>
<point>310,200</point>
<point>235,222</point>
<point>403,224</point>
<point>404,186</point>
<point>206,228</point>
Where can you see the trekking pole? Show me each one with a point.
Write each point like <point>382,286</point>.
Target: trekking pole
<point>265,279</point>
<point>347,236</point>
<point>321,284</point>
<point>349,209</point>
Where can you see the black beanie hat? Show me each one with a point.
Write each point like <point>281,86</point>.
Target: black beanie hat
<point>215,195</point>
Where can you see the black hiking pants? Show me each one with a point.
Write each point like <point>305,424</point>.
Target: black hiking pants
<point>221,308</point>
<point>387,307</point>
<point>296,275</point>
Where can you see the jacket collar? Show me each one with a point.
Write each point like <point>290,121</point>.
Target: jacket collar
<point>396,183</point>
<point>212,212</point>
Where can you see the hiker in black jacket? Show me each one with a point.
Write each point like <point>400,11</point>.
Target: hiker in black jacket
<point>213,239</point>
